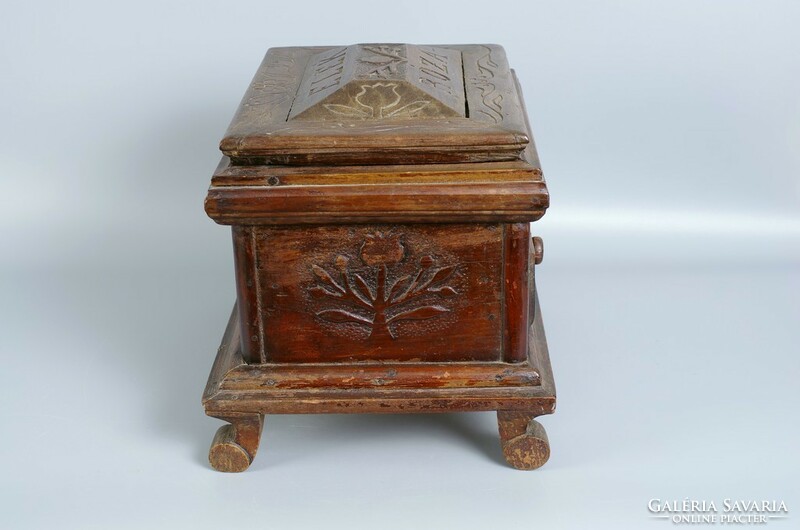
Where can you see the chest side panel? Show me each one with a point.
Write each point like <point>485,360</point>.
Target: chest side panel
<point>381,292</point>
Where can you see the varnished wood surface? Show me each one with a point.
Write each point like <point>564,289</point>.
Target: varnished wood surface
<point>498,173</point>
<point>380,292</point>
<point>389,375</point>
<point>516,285</point>
<point>248,294</point>
<point>268,128</point>
<point>229,355</point>
<point>354,203</point>
<point>512,191</point>
<point>379,197</point>
<point>254,396</point>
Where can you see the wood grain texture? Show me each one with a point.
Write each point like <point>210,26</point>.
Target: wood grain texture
<point>235,386</point>
<point>511,191</point>
<point>225,454</point>
<point>317,105</point>
<point>379,82</point>
<point>229,354</point>
<point>379,197</point>
<point>351,376</point>
<point>248,293</point>
<point>498,173</point>
<point>235,445</point>
<point>381,292</point>
<point>516,285</point>
<point>495,192</point>
<point>358,203</point>
<point>523,439</point>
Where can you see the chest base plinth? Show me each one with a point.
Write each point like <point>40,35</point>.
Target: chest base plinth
<point>241,394</point>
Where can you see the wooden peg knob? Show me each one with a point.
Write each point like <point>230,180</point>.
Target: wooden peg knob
<point>538,250</point>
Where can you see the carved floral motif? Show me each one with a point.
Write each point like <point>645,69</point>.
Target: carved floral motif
<point>378,100</point>
<point>386,291</point>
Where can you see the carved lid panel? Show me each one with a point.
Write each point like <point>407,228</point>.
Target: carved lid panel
<point>379,104</point>
<point>381,81</point>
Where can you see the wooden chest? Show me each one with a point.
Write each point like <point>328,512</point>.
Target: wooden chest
<point>380,197</point>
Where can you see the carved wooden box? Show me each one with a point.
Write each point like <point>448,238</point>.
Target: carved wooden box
<point>380,197</point>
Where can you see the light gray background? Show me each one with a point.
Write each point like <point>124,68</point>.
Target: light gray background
<point>669,135</point>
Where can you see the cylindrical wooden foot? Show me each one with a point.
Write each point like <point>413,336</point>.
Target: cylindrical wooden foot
<point>524,440</point>
<point>235,445</point>
<point>225,454</point>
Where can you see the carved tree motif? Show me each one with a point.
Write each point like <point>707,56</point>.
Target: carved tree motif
<point>381,298</point>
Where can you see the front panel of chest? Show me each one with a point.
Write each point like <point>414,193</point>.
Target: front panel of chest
<point>371,293</point>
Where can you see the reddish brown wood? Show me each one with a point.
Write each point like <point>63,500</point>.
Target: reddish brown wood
<point>348,203</point>
<point>525,169</point>
<point>248,293</point>
<point>381,375</point>
<point>538,250</point>
<point>381,293</point>
<point>523,439</point>
<point>236,386</point>
<point>380,197</point>
<point>515,279</point>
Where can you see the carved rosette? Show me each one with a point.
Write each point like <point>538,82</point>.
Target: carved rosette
<point>382,290</point>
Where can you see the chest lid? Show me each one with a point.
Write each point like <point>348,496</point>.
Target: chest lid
<point>379,104</point>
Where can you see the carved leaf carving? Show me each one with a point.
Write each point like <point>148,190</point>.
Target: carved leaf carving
<point>444,291</point>
<point>323,275</point>
<point>320,292</point>
<point>381,290</point>
<point>398,286</point>
<point>367,292</point>
<point>408,110</point>
<point>340,315</point>
<point>438,277</point>
<point>377,100</point>
<point>419,313</point>
<point>348,112</point>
